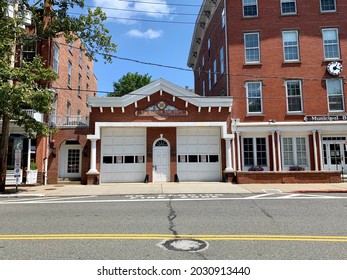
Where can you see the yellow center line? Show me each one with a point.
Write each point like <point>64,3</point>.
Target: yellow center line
<point>211,237</point>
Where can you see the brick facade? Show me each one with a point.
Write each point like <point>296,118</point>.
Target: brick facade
<point>263,62</point>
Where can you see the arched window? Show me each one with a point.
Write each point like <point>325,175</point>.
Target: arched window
<point>161,143</point>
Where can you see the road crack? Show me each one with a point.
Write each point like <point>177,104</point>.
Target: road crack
<point>171,217</point>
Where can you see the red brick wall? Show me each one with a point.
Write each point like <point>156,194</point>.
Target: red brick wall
<point>272,71</point>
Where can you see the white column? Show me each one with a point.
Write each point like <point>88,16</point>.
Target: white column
<point>93,169</point>
<point>314,133</point>
<point>228,155</point>
<point>29,154</point>
<point>234,153</point>
<point>238,151</point>
<point>279,150</point>
<point>321,150</point>
<point>273,151</point>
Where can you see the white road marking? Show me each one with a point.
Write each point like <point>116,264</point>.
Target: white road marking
<point>160,198</point>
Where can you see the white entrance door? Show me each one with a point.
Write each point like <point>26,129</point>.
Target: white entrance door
<point>161,161</point>
<point>335,156</point>
<point>70,161</point>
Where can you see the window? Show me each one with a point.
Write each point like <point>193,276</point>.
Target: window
<point>55,58</point>
<point>209,47</point>
<point>335,95</point>
<point>203,62</point>
<point>221,60</point>
<point>331,44</point>
<point>214,71</point>
<point>209,80</point>
<point>28,50</point>
<point>223,18</point>
<point>70,47</point>
<point>290,45</point>
<point>254,151</point>
<point>80,58</point>
<point>69,73</point>
<point>294,151</point>
<point>288,7</point>
<point>79,85</point>
<point>294,99</point>
<point>254,97</point>
<point>327,5</point>
<point>88,71</point>
<point>250,8</point>
<point>203,88</point>
<point>252,50</point>
<point>68,112</point>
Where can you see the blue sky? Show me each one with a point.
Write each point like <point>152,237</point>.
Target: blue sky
<point>147,41</point>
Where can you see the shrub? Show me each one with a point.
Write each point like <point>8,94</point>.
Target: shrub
<point>256,168</point>
<point>33,166</point>
<point>296,168</point>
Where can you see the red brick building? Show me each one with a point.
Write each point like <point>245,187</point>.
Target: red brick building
<point>281,62</point>
<point>159,133</point>
<point>59,155</point>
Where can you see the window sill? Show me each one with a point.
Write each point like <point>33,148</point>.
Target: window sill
<point>291,63</point>
<point>289,14</point>
<point>295,114</point>
<point>252,65</point>
<point>250,115</point>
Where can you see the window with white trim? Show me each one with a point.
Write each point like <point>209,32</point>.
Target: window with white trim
<point>328,6</point>
<point>69,73</point>
<point>254,151</point>
<point>209,80</point>
<point>223,18</point>
<point>214,72</point>
<point>290,45</point>
<point>331,43</point>
<point>288,7</point>
<point>335,95</point>
<point>294,151</point>
<point>252,48</point>
<point>250,8</point>
<point>28,51</point>
<point>55,58</point>
<point>294,96</point>
<point>254,97</point>
<point>209,47</point>
<point>221,60</point>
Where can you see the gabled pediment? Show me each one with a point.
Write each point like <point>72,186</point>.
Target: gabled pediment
<point>160,85</point>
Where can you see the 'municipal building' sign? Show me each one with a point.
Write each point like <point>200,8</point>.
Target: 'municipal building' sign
<point>325,118</point>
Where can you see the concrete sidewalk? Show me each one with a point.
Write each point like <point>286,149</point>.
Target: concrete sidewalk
<point>169,188</point>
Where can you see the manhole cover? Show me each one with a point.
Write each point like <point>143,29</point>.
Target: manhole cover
<point>184,245</point>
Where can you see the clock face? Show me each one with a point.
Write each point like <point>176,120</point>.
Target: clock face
<point>334,68</point>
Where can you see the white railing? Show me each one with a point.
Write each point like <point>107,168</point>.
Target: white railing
<point>36,115</point>
<point>68,121</point>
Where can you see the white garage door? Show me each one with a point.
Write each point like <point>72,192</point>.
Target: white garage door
<point>198,154</point>
<point>123,153</point>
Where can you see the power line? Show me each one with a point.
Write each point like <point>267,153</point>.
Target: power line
<point>143,20</point>
<point>161,3</point>
<point>142,11</point>
<point>259,77</point>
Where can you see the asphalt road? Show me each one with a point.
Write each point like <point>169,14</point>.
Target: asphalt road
<point>228,227</point>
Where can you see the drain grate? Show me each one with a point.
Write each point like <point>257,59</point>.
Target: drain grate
<point>184,245</point>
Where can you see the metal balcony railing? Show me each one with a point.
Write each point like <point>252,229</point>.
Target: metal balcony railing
<point>68,121</point>
<point>36,115</point>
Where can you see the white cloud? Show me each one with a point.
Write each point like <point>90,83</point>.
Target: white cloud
<point>131,10</point>
<point>148,34</point>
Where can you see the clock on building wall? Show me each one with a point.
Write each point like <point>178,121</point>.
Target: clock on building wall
<point>334,68</point>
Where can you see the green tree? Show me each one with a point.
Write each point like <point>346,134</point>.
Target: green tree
<point>27,86</point>
<point>129,83</point>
